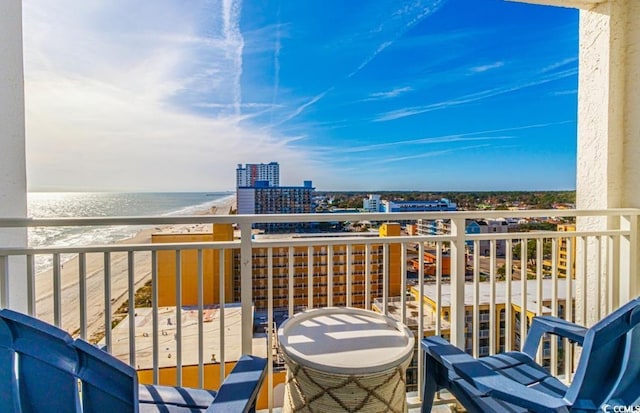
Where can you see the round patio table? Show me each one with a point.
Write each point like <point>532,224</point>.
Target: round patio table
<point>345,359</point>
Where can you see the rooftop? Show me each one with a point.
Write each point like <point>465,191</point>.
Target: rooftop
<point>185,229</point>
<point>167,348</point>
<point>394,310</point>
<point>484,290</point>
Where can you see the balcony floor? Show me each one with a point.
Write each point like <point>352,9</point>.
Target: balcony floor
<point>436,409</point>
<point>446,405</point>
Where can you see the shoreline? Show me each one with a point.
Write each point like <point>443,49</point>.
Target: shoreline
<point>95,280</point>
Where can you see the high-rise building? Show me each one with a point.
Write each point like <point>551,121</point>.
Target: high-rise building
<point>264,199</point>
<point>249,174</point>
<point>328,268</point>
<point>258,191</point>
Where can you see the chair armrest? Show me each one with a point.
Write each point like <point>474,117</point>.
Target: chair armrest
<point>487,381</point>
<point>552,325</point>
<point>240,389</point>
<point>443,352</point>
<point>501,387</point>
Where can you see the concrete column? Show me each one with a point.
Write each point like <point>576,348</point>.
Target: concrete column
<point>13,181</point>
<point>608,158</point>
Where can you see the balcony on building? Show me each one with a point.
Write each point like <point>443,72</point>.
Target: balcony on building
<point>225,293</point>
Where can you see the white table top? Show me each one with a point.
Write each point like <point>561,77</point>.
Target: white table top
<point>345,340</point>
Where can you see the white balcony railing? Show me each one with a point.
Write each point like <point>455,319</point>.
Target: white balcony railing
<point>320,270</point>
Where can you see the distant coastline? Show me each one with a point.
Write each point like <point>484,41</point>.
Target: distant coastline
<point>105,204</point>
<point>95,278</point>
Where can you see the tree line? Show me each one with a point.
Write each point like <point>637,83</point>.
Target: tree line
<point>464,200</point>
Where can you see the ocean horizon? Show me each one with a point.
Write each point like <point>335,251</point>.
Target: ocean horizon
<point>107,204</point>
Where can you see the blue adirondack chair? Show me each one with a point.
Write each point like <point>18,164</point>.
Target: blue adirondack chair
<point>608,371</point>
<point>43,369</point>
<point>39,366</point>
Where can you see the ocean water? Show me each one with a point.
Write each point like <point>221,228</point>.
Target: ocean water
<point>104,204</point>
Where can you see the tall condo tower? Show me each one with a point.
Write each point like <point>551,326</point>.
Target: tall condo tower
<point>247,175</point>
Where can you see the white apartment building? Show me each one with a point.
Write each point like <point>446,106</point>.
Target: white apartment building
<point>495,305</point>
<point>489,226</point>
<point>372,203</point>
<point>247,175</point>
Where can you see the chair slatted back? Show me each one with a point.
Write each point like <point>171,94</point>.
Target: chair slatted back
<point>45,363</point>
<point>8,379</point>
<point>608,355</point>
<point>626,392</point>
<point>107,383</point>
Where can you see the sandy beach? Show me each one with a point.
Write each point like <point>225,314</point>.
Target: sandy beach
<point>95,282</point>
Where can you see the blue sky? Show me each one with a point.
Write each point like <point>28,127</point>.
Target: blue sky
<point>355,95</point>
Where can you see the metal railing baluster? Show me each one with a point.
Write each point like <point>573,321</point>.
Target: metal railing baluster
<point>108,322</point>
<point>57,290</point>
<point>200,295</point>
<point>222,301</point>
<point>82,284</point>
<point>155,354</point>
<point>131,308</point>
<point>31,284</point>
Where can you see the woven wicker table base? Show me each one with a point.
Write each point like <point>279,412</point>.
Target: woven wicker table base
<point>312,391</point>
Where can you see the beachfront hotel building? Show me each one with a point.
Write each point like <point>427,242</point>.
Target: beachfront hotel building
<point>329,283</point>
<point>261,198</point>
<point>329,287</point>
<point>258,192</point>
<point>265,199</point>
<point>250,173</point>
<point>167,262</point>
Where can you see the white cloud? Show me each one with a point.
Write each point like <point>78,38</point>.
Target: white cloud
<point>277,47</point>
<point>485,135</point>
<point>298,110</point>
<point>573,61</point>
<point>473,97</point>
<point>389,94</point>
<point>231,10</point>
<point>391,29</point>
<point>428,154</point>
<point>85,135</point>
<point>484,68</point>
<point>105,90</point>
<point>434,140</point>
<point>565,92</point>
<point>402,20</point>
